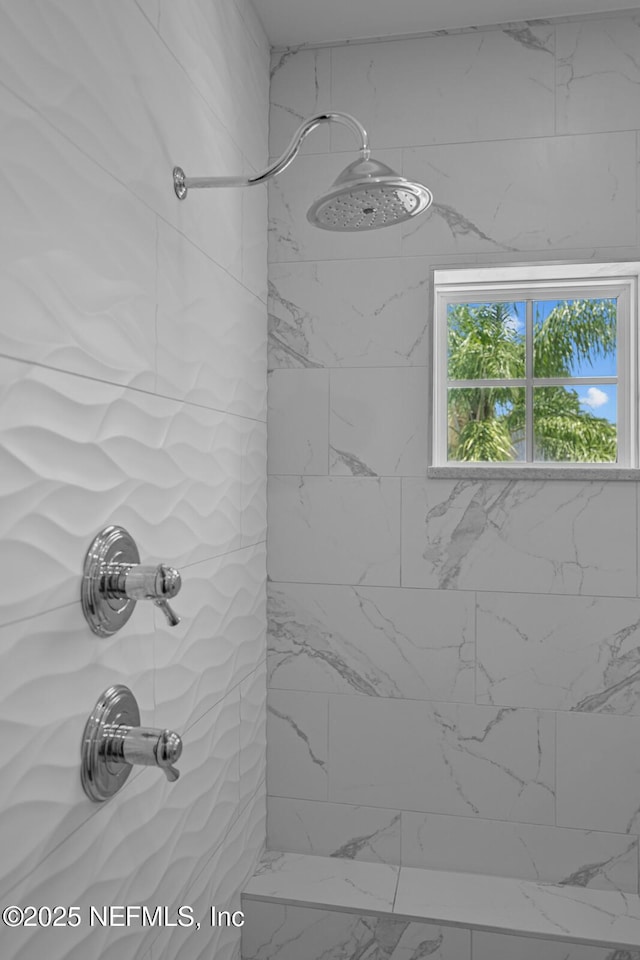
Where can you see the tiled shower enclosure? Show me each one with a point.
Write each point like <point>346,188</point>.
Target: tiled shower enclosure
<point>452,662</point>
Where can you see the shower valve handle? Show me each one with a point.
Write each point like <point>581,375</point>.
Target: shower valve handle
<point>148,747</point>
<point>133,581</point>
<point>113,742</point>
<point>114,580</point>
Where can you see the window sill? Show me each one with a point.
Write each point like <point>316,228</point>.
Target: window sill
<point>478,472</point>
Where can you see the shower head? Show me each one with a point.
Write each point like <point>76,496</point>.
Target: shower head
<point>366,196</point>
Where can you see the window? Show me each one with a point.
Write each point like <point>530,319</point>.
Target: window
<point>536,366</point>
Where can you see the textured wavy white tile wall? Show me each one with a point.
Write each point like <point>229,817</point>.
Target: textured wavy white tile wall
<point>132,391</point>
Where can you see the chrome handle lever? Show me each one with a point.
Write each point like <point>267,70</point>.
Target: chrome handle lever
<point>150,748</point>
<point>113,742</point>
<point>138,582</point>
<point>114,580</point>
<point>172,617</point>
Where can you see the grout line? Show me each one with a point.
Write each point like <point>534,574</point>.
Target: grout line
<point>329,391</point>
<point>555,768</point>
<point>182,401</point>
<point>508,707</point>
<point>450,816</point>
<point>395,892</point>
<point>396,148</point>
<point>555,80</point>
<point>475,647</point>
<point>445,591</point>
<point>327,764</point>
<point>232,689</point>
<point>155,26</point>
<point>41,613</point>
<point>400,530</point>
<point>637,543</point>
<point>184,566</point>
<point>156,350</point>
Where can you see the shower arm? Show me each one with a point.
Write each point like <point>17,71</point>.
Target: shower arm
<point>182,183</point>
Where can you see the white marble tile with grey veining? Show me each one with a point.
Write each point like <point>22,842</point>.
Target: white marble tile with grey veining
<point>300,88</point>
<point>563,653</point>
<point>326,829</point>
<point>492,84</point>
<point>498,946</point>
<point>378,422</point>
<point>598,74</point>
<point>530,536</point>
<point>355,314</point>
<point>274,930</point>
<point>522,195</point>
<point>376,641</point>
<point>442,758</point>
<point>595,917</point>
<point>297,745</point>
<point>598,779</point>
<point>334,530</point>
<point>324,881</point>
<point>298,422</point>
<point>527,851</point>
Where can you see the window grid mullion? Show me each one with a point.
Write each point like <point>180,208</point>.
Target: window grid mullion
<point>537,382</point>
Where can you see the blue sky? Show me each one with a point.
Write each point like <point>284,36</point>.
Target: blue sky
<point>598,399</point>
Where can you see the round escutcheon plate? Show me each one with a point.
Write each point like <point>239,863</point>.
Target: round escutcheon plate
<point>101,777</point>
<point>105,615</point>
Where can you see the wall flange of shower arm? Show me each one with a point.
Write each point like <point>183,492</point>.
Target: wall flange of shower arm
<point>366,196</point>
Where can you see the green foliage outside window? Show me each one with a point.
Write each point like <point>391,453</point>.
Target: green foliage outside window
<point>487,423</point>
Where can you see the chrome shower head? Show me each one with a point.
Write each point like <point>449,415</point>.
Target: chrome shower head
<point>368,195</point>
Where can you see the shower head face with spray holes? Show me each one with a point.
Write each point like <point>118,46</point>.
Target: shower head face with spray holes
<point>368,195</point>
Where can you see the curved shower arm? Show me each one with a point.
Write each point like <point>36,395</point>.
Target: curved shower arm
<point>182,183</point>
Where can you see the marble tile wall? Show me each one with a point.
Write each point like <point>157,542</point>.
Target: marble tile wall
<point>132,391</point>
<point>289,932</point>
<point>454,665</point>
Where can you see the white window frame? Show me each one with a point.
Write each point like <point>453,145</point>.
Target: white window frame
<point>552,282</point>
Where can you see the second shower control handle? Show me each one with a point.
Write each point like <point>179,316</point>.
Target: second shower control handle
<point>113,743</point>
<point>146,746</point>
